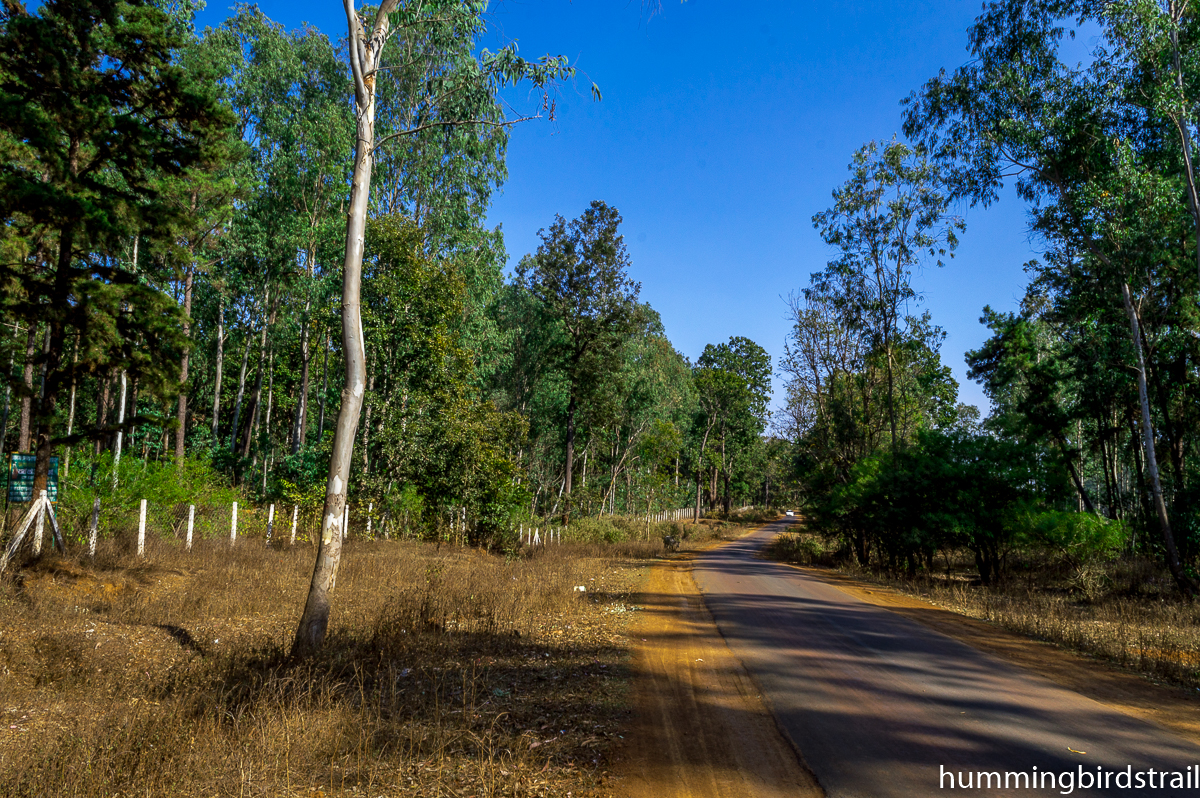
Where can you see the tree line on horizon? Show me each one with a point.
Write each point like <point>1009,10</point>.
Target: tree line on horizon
<point>175,252</point>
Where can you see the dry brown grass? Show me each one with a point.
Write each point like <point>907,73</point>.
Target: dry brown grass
<point>1157,637</point>
<point>446,672</point>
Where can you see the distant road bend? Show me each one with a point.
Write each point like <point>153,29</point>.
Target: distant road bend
<point>882,706</point>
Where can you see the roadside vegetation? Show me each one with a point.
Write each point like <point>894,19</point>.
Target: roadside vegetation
<point>1069,513</point>
<point>1120,609</point>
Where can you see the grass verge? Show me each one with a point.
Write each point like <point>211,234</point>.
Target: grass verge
<point>446,672</point>
<point>1123,613</point>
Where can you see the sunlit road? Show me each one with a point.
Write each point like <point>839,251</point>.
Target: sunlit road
<point>879,705</point>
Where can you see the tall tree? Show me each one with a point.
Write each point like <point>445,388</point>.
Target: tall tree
<point>94,112</point>
<point>889,217</point>
<point>367,42</point>
<point>734,383</point>
<point>579,277</point>
<point>1091,156</point>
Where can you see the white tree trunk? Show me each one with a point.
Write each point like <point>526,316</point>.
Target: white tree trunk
<point>120,433</point>
<point>216,406</point>
<point>365,50</point>
<point>1181,578</point>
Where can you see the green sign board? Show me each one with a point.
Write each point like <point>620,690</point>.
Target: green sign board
<point>20,478</point>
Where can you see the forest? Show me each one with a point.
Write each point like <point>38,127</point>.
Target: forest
<point>1087,453</point>
<point>175,236</point>
<point>246,268</point>
<point>181,294</point>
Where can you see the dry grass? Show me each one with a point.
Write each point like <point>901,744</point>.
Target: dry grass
<point>446,672</point>
<point>1156,637</point>
<point>1124,611</point>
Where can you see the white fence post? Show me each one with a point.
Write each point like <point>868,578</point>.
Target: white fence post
<point>191,524</point>
<point>233,526</point>
<point>370,507</point>
<point>295,512</point>
<point>142,529</point>
<point>270,522</point>
<point>93,526</point>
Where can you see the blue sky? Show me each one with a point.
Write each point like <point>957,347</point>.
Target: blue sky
<point>724,127</point>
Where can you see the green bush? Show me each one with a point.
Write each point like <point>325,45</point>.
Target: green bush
<point>1077,537</point>
<point>800,548</point>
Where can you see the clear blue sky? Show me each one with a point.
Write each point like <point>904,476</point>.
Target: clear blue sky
<point>724,127</point>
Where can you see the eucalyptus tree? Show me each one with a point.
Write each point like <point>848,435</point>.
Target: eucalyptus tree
<point>94,114</point>
<point>579,278</point>
<point>890,217</point>
<point>636,418</point>
<point>426,428</point>
<point>291,95</point>
<point>367,44</point>
<point>1091,150</point>
<point>1031,383</point>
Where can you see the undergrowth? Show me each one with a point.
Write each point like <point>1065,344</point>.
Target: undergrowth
<point>446,672</point>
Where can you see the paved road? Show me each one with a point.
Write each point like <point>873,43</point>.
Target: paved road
<point>882,706</point>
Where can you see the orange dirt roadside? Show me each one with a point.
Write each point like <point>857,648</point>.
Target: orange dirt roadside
<point>700,727</point>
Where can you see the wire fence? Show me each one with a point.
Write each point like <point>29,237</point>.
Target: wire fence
<point>193,523</point>
<point>133,524</point>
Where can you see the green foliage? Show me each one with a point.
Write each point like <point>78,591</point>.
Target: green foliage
<point>1103,151</point>
<point>946,490</point>
<point>96,119</point>
<point>161,483</point>
<point>436,437</point>
<point>1076,536</point>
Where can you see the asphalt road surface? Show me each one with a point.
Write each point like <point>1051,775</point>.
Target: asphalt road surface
<point>880,706</point>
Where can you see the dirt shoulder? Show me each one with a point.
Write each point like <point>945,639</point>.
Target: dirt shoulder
<point>1171,707</point>
<point>700,727</point>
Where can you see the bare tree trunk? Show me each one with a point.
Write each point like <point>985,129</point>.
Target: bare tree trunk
<point>299,426</point>
<point>1173,562</point>
<point>365,49</point>
<point>70,413</point>
<point>181,411</point>
<point>120,432</point>
<point>55,333</point>
<point>256,403</point>
<point>8,392</point>
<point>700,470</point>
<point>102,402</point>
<point>237,405</point>
<point>45,363</point>
<point>27,398</point>
<point>267,424</point>
<point>1085,501</point>
<point>366,437</point>
<point>7,401</point>
<point>216,406</point>
<point>566,517</point>
<point>324,393</point>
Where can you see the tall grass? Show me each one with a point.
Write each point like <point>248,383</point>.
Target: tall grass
<point>446,672</point>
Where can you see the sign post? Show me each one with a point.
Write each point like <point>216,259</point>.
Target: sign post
<point>20,478</point>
